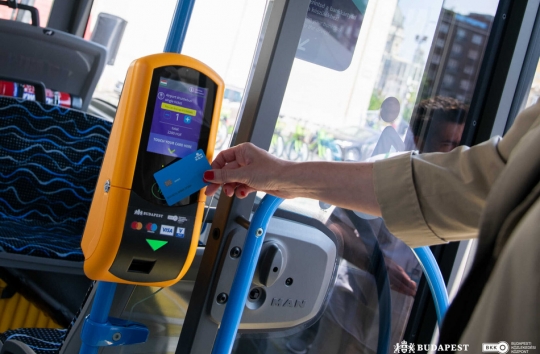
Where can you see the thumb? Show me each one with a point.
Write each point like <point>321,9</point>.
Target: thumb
<point>222,176</point>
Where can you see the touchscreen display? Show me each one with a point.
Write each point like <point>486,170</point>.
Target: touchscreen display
<point>177,119</point>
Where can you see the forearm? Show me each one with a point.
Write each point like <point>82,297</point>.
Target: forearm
<point>345,184</point>
<point>246,168</point>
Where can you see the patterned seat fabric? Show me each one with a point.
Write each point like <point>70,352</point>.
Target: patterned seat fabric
<point>50,158</point>
<point>44,340</point>
<point>41,340</point>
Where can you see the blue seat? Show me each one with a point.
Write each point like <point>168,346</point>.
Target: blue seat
<point>50,158</point>
<point>39,340</point>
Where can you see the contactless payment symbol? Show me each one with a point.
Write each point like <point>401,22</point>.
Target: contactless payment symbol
<point>187,119</point>
<point>180,232</point>
<point>156,192</point>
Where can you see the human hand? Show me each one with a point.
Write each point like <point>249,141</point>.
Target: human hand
<point>399,279</point>
<point>245,168</point>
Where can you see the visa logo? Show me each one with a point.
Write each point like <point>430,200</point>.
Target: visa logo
<point>167,230</point>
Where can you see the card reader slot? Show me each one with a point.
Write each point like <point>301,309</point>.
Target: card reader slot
<point>141,266</point>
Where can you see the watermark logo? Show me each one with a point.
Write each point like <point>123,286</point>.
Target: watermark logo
<point>501,347</point>
<point>405,347</point>
<point>512,348</point>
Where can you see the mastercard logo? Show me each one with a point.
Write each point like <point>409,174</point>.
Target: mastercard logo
<point>136,225</point>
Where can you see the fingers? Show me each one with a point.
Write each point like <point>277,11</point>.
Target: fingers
<point>224,157</point>
<point>400,281</point>
<point>211,189</point>
<point>218,177</point>
<point>240,170</point>
<point>229,189</point>
<point>242,191</point>
<point>234,154</point>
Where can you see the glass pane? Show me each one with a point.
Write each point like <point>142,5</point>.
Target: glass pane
<point>229,51</point>
<point>408,87</point>
<point>534,93</point>
<point>43,6</point>
<point>162,311</point>
<point>145,34</point>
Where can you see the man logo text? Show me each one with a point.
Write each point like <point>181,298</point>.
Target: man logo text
<point>287,302</point>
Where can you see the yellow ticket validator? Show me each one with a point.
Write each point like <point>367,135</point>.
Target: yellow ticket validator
<point>169,108</point>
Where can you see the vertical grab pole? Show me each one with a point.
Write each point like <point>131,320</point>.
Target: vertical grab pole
<point>244,275</point>
<point>434,279</point>
<point>179,26</point>
<point>99,314</point>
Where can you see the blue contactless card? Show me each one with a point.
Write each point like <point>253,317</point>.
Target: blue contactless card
<point>183,178</point>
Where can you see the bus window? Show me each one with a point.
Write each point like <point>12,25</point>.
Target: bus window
<point>221,34</point>
<point>43,6</point>
<point>408,87</point>
<point>534,93</point>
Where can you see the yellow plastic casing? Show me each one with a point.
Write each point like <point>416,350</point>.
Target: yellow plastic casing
<point>104,227</point>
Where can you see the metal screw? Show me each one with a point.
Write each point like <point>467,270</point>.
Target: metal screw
<point>504,16</point>
<point>289,281</point>
<point>255,294</point>
<point>259,232</point>
<point>116,337</point>
<point>236,252</point>
<point>222,298</point>
<point>107,186</point>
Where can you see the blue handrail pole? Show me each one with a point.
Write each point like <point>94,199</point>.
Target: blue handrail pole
<point>244,275</point>
<point>100,310</point>
<point>435,281</point>
<point>179,26</point>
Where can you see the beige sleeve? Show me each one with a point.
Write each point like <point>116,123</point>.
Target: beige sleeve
<point>428,199</point>
<point>434,198</point>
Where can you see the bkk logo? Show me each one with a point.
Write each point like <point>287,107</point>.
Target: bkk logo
<point>404,347</point>
<point>501,347</point>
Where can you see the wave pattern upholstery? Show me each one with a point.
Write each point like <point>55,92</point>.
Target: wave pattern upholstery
<point>41,340</point>
<point>50,158</point>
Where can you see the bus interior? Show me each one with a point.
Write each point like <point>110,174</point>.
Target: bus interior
<point>307,80</point>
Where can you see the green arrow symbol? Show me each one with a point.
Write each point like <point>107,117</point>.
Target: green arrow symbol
<point>156,244</point>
